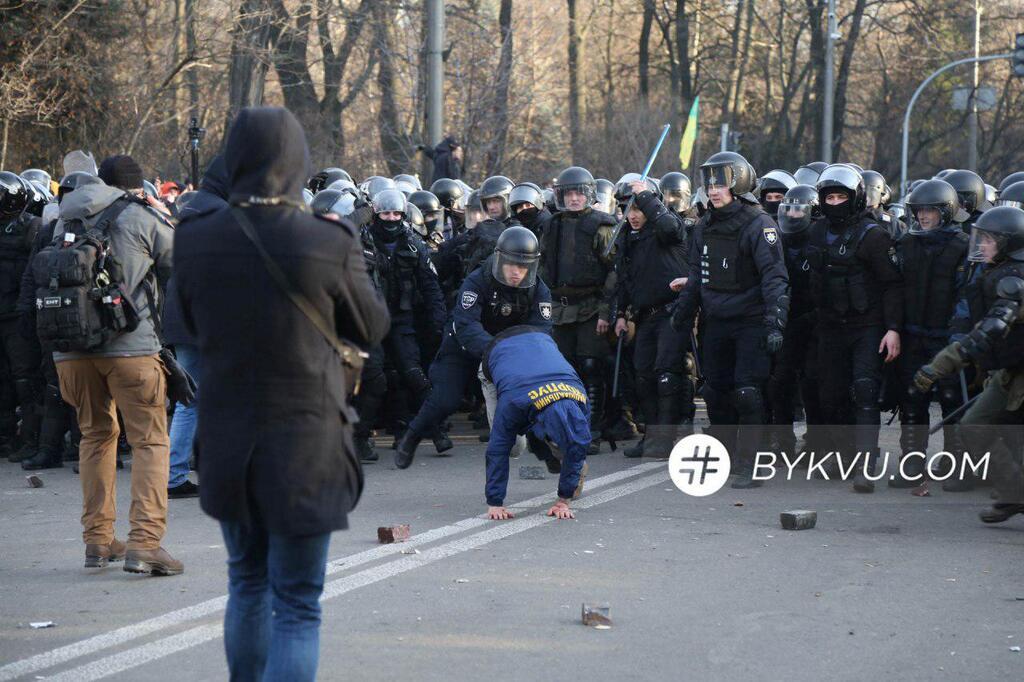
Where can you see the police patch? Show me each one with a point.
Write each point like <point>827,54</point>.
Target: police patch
<point>469,299</point>
<point>770,235</point>
<point>506,309</point>
<point>545,310</point>
<point>893,258</point>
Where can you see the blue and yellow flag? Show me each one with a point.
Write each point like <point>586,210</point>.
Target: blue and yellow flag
<point>689,135</point>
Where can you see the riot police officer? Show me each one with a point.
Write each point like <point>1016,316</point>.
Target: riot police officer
<point>527,203</point>
<point>995,344</point>
<point>772,188</point>
<point>494,195</point>
<point>742,295</point>
<point>874,198</point>
<point>604,191</point>
<point>503,292</point>
<point>795,366</point>
<point>413,296</point>
<point>582,280</point>
<point>453,199</point>
<point>430,206</point>
<point>858,292</point>
<point>18,229</point>
<point>649,256</point>
<point>1012,195</point>
<point>971,189</point>
<point>933,260</point>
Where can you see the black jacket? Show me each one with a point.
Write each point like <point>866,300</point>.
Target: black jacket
<point>445,165</point>
<point>649,258</point>
<point>274,422</point>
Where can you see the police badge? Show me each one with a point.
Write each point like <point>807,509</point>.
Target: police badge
<point>469,299</point>
<point>545,310</point>
<point>770,235</point>
<point>506,309</point>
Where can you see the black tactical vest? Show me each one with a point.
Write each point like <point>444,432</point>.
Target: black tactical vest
<point>504,307</point>
<point>839,278</point>
<point>583,267</point>
<point>724,266</point>
<point>930,272</point>
<point>400,273</point>
<point>981,296</point>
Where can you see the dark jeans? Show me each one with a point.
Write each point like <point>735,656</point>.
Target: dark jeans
<point>272,621</point>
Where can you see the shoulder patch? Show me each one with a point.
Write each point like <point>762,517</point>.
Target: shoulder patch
<point>469,299</point>
<point>545,310</point>
<point>771,235</point>
<point>893,258</point>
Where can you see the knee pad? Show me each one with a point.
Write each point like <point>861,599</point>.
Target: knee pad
<point>865,393</point>
<point>416,380</point>
<point>748,401</point>
<point>670,384</point>
<point>590,370</point>
<point>645,384</point>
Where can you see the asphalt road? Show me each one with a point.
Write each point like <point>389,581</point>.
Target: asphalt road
<point>886,586</point>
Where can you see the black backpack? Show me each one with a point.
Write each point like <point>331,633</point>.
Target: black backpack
<point>81,299</point>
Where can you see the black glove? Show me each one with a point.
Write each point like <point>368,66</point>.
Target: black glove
<point>773,341</point>
<point>181,387</point>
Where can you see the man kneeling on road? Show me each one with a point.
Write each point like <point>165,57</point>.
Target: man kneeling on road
<point>538,393</point>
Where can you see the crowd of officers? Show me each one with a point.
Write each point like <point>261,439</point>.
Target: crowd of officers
<point>809,292</point>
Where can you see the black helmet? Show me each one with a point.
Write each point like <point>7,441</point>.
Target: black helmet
<point>1011,179</point>
<point>774,181</point>
<point>1012,195</point>
<point>855,167</point>
<point>475,212</point>
<point>970,188</point>
<point>390,200</point>
<point>14,196</point>
<point>937,194</point>
<point>805,175</point>
<point>343,184</point>
<point>914,184</point>
<point>74,180</point>
<point>41,177</point>
<point>324,178</point>
<point>448,192</point>
<point>1001,227</point>
<point>991,194</point>
<point>375,184</point>
<point>415,218</point>
<point>575,179</point>
<point>675,191</point>
<point>731,170</point>
<point>307,196</point>
<point>699,201</point>
<point>874,188</point>
<point>941,175</point>
<point>624,188</point>
<point>798,209</point>
<point>430,207</point>
<point>549,199</point>
<point>841,177</point>
<point>496,187</point>
<point>37,199</point>
<point>516,246</point>
<point>605,191</point>
<point>150,189</point>
<point>407,183</point>
<point>337,201</point>
<point>526,193</point>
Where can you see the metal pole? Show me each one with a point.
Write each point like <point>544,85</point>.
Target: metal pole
<point>724,147</point>
<point>435,70</point>
<point>830,84</point>
<point>972,116</point>
<point>913,100</point>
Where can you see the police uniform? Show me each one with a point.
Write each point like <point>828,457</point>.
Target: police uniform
<point>373,381</point>
<point>22,354</point>
<point>646,261</point>
<point>934,266</point>
<point>582,281</point>
<point>538,391</point>
<point>484,308</point>
<point>741,294</point>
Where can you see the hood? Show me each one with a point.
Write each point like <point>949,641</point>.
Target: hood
<point>216,181</point>
<point>447,143</point>
<point>266,155</point>
<point>88,200</point>
<point>80,161</point>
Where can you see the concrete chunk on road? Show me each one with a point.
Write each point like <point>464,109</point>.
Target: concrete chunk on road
<point>388,534</point>
<point>596,614</point>
<point>798,519</point>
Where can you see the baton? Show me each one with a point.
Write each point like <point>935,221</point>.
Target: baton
<point>632,198</point>
<point>618,363</point>
<point>696,356</point>
<point>954,414</point>
<point>963,386</point>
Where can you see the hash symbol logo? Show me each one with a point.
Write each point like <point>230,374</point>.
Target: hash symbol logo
<point>699,465</point>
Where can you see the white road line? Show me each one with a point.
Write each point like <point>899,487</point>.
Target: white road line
<point>69,652</point>
<point>132,658</point>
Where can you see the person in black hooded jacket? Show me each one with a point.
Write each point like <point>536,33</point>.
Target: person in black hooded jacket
<point>447,157</point>
<point>278,466</point>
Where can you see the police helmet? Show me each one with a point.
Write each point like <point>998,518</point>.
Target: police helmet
<point>732,170</point>
<point>970,188</point>
<point>497,187</point>
<point>798,209</point>
<point>841,178</point>
<point>575,179</point>
<point>874,188</point>
<point>998,235</point>
<point>939,195</point>
<point>448,192</point>
<point>14,196</point>
<point>74,180</point>
<point>1011,179</point>
<point>516,246</point>
<point>1012,195</point>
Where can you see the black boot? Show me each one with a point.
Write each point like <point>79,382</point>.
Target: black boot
<point>50,454</point>
<point>406,450</point>
<point>1001,512</point>
<point>637,451</point>
<point>442,443</point>
<point>910,474</point>
<point>364,448</point>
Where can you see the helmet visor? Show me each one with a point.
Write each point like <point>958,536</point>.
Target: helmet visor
<point>928,217</point>
<point>716,176</point>
<point>474,216</point>
<point>794,216</point>
<point>985,246</point>
<point>575,197</point>
<point>515,270</point>
<point>677,199</point>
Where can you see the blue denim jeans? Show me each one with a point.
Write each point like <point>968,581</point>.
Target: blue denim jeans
<point>183,426</point>
<point>272,621</point>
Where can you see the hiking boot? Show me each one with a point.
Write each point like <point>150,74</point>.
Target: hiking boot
<point>98,556</point>
<point>365,449</point>
<point>44,459</point>
<point>152,561</point>
<point>1001,512</point>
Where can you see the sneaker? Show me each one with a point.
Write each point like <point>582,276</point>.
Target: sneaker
<point>152,562</point>
<point>98,556</point>
<point>186,489</point>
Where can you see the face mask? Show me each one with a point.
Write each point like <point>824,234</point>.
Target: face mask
<point>771,207</point>
<point>837,211</point>
<point>527,216</point>
<point>390,229</point>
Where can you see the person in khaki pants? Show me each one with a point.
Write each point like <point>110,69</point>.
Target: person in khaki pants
<point>125,374</point>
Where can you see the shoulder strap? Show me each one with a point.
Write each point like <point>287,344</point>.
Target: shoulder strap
<point>110,214</point>
<point>350,355</point>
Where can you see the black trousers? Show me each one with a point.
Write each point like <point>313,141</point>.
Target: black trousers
<point>850,370</point>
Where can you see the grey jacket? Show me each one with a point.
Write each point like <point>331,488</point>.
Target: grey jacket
<point>143,245</point>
